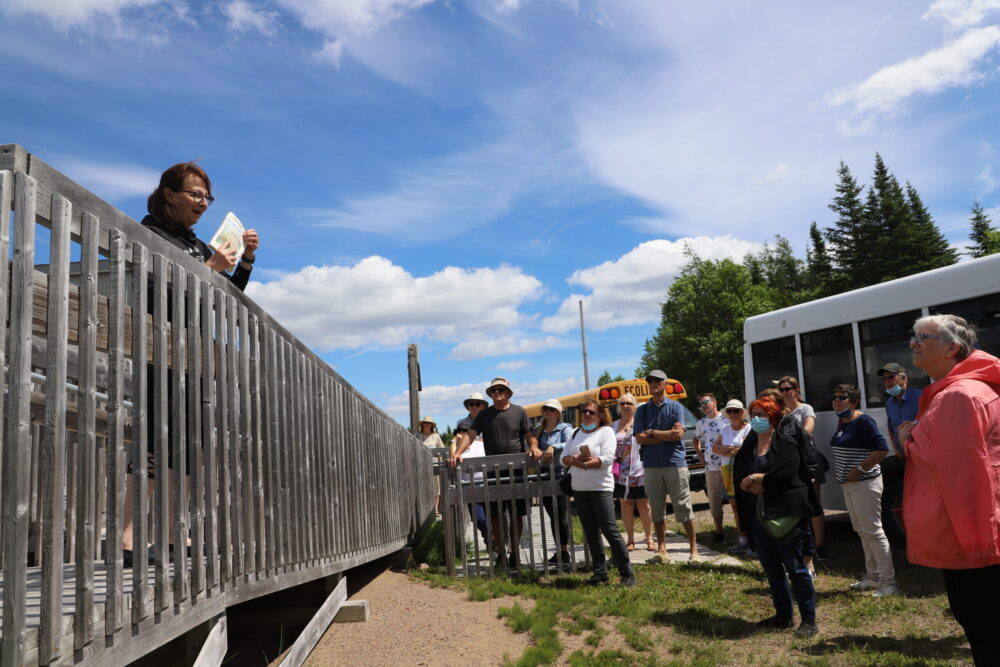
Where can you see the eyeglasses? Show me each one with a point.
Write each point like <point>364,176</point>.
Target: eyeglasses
<point>785,389</point>
<point>624,403</point>
<point>654,381</point>
<point>841,397</point>
<point>477,404</point>
<point>590,413</point>
<point>920,338</point>
<point>197,195</point>
<point>733,411</point>
<point>495,391</point>
<point>549,410</point>
<point>705,402</point>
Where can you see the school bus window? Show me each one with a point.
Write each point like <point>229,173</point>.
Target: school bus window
<point>827,360</point>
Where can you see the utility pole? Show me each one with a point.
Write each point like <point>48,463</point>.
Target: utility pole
<point>583,340</point>
<point>413,371</point>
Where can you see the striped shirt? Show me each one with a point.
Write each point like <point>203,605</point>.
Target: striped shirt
<point>853,442</point>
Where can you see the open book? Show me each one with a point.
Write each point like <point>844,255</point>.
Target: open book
<point>230,230</point>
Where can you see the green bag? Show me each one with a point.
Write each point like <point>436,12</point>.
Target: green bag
<point>780,529</point>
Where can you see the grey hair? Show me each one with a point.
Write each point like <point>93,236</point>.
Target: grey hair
<point>952,329</point>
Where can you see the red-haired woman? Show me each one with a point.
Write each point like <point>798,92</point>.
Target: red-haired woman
<point>772,481</point>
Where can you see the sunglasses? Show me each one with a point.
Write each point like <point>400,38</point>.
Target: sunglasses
<point>784,389</point>
<point>841,397</point>
<point>589,412</point>
<point>733,411</point>
<point>549,410</point>
<point>624,403</point>
<point>705,402</point>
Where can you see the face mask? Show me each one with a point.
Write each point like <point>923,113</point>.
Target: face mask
<point>760,424</point>
<point>588,427</point>
<point>844,414</point>
<point>894,390</point>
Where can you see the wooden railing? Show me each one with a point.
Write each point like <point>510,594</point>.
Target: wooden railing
<point>293,475</point>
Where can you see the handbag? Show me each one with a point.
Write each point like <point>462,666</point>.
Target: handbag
<point>780,529</point>
<point>566,484</point>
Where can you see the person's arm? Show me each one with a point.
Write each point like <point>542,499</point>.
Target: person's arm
<point>809,424</point>
<point>879,450</point>
<point>696,442</point>
<point>456,457</point>
<point>529,437</point>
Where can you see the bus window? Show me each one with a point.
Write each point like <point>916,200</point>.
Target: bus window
<point>984,312</point>
<point>827,360</point>
<point>773,359</point>
<point>883,340</point>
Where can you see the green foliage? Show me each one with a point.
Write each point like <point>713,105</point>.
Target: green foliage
<point>851,241</point>
<point>984,236</point>
<point>934,249</point>
<point>819,268</point>
<point>700,337</point>
<point>428,543</point>
<point>605,378</point>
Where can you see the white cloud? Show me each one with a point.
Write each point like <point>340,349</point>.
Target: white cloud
<point>111,181</point>
<point>499,346</point>
<point>331,53</point>
<point>242,17</point>
<point>376,303</point>
<point>987,179</point>
<point>67,13</point>
<point>779,172</point>
<point>628,291</point>
<point>447,399</point>
<point>950,66</point>
<point>962,14</point>
<point>335,17</point>
<point>511,366</point>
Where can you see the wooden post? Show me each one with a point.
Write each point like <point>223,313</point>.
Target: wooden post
<point>413,375</point>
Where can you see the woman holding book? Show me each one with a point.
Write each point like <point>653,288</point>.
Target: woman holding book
<point>174,208</point>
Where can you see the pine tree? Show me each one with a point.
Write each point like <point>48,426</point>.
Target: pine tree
<point>932,250</point>
<point>852,239</point>
<point>777,268</point>
<point>888,216</point>
<point>984,236</point>
<point>819,269</point>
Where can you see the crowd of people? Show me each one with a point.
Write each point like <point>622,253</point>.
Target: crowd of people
<point>763,462</point>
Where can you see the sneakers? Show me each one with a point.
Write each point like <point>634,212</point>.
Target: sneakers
<point>598,579</point>
<point>554,561</point>
<point>718,538</point>
<point>775,623</point>
<point>512,561</point>
<point>865,584</point>
<point>806,630</point>
<point>739,548</point>
<point>628,582</point>
<point>886,591</point>
<point>813,575</point>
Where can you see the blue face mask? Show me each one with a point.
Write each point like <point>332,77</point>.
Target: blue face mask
<point>760,424</point>
<point>844,414</point>
<point>588,427</point>
<point>894,390</point>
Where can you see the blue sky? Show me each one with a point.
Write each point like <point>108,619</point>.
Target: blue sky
<point>460,174</point>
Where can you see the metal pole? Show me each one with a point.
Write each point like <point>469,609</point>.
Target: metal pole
<point>413,371</point>
<point>583,340</point>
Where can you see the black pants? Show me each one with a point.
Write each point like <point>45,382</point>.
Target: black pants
<point>597,515</point>
<point>560,528</point>
<point>973,596</point>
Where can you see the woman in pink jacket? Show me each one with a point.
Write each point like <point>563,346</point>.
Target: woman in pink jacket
<point>951,501</point>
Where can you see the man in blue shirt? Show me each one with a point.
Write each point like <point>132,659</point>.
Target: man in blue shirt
<point>901,404</point>
<point>659,430</point>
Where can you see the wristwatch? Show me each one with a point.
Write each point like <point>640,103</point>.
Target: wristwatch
<point>861,469</point>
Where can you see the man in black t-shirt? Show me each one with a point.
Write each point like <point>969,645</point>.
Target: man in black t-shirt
<point>505,430</point>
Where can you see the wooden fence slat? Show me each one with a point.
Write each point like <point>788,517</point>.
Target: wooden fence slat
<point>223,387</point>
<point>178,432</point>
<point>196,499</point>
<point>140,438</point>
<point>160,415</point>
<point>6,185</point>
<point>248,506</point>
<point>210,440</point>
<point>257,440</point>
<point>52,462</point>
<point>116,437</point>
<point>272,486</point>
<point>86,442</point>
<point>235,438</point>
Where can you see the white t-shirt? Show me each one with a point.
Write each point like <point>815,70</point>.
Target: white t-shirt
<point>804,410</point>
<point>433,440</point>
<point>732,438</point>
<point>474,451</point>
<point>707,430</point>
<point>602,444</point>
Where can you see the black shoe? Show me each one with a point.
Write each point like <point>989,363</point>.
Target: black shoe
<point>775,623</point>
<point>597,580</point>
<point>512,561</point>
<point>628,581</point>
<point>718,538</point>
<point>806,630</point>
<point>554,561</point>
<point>128,557</point>
<point>821,554</point>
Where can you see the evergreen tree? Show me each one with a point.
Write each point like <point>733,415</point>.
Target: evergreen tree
<point>819,269</point>
<point>931,249</point>
<point>852,240</point>
<point>606,378</point>
<point>782,272</point>
<point>888,218</point>
<point>984,236</point>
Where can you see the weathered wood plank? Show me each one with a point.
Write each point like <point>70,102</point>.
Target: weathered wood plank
<point>223,387</point>
<point>6,195</point>
<point>353,611</point>
<point>210,441</point>
<point>113,607</point>
<point>178,433</point>
<point>213,652</point>
<point>140,439</point>
<point>86,483</point>
<point>235,438</point>
<point>196,498</point>
<point>159,413</point>
<point>276,544</point>
<point>257,440</point>
<point>247,509</point>
<point>52,462</point>
<point>314,630</point>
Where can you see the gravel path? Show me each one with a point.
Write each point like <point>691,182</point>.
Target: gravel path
<point>413,624</point>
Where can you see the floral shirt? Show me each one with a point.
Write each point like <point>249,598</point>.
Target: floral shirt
<point>630,471</point>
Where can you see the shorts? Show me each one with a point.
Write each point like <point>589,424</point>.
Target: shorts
<point>672,480</point>
<point>634,492</point>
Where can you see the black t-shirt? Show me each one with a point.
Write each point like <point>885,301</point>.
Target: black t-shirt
<point>504,432</point>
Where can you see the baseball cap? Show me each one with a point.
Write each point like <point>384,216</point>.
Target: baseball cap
<point>891,367</point>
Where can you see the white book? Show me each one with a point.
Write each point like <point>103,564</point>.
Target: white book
<point>230,230</point>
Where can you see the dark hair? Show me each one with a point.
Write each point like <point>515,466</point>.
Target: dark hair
<point>790,379</point>
<point>173,178</point>
<point>771,407</point>
<point>601,416</point>
<point>709,395</point>
<point>852,392</point>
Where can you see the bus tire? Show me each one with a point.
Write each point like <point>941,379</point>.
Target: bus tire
<point>892,510</point>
